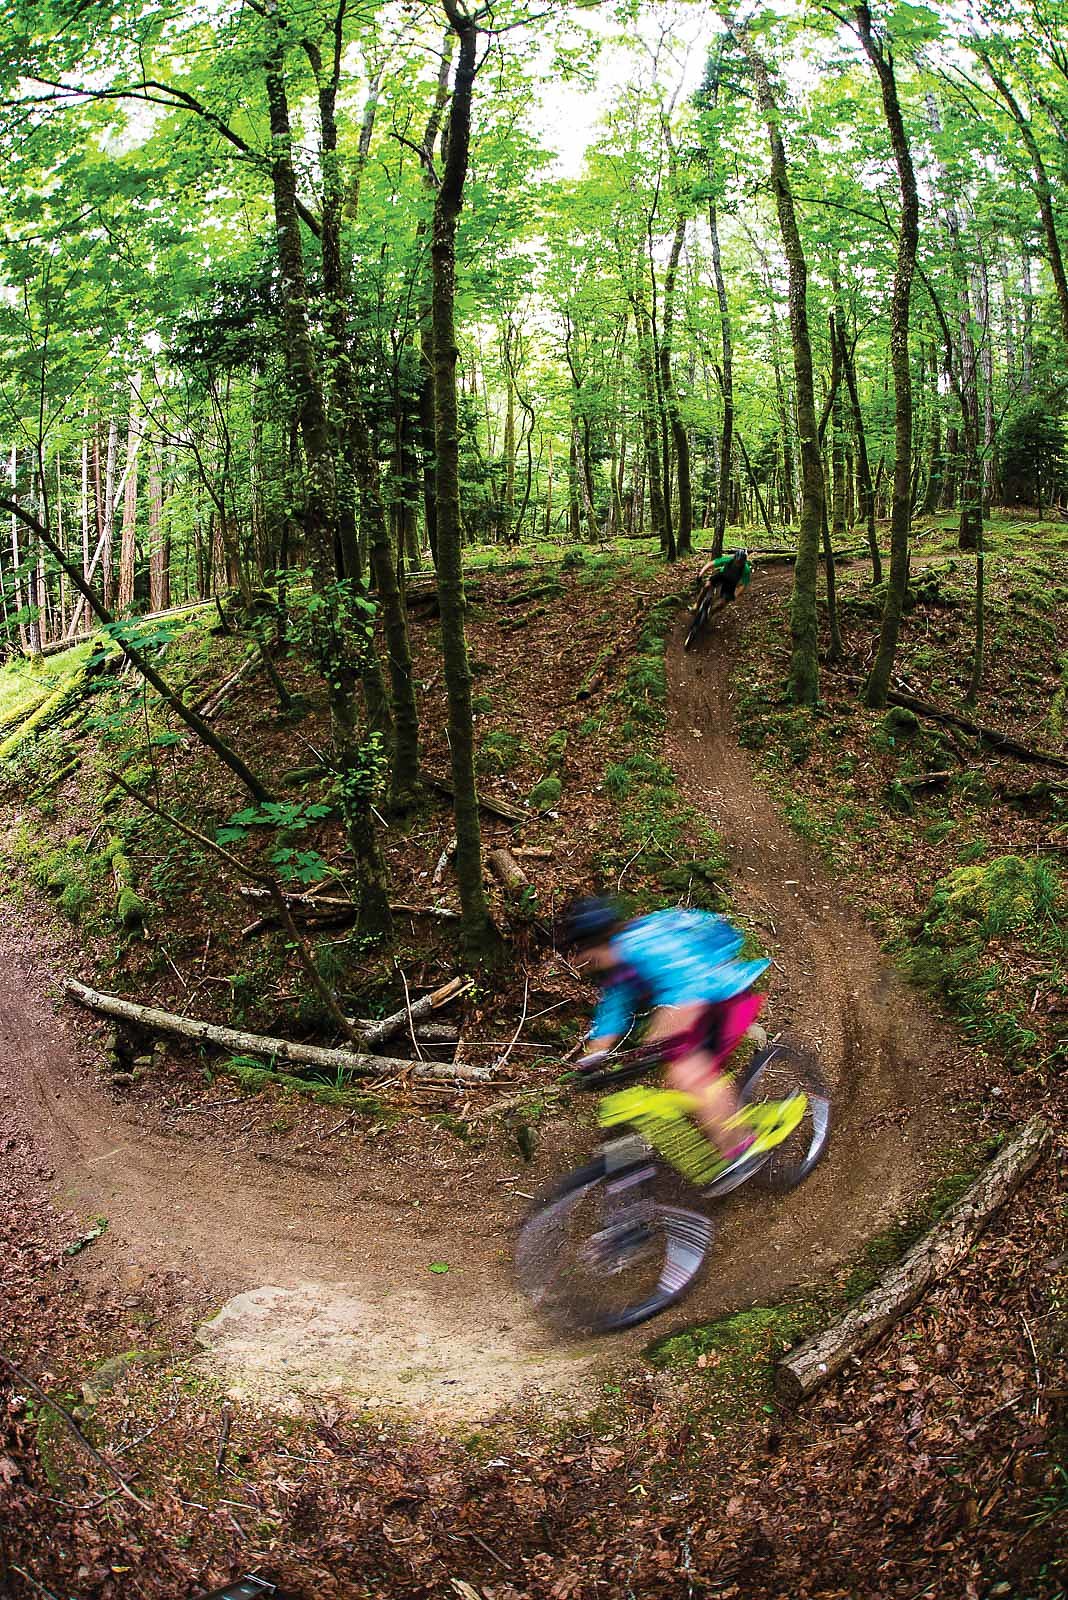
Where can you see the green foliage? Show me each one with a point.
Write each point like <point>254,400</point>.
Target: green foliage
<point>498,752</point>
<point>957,947</point>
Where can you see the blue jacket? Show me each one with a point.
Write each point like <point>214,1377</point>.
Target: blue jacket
<point>672,958</point>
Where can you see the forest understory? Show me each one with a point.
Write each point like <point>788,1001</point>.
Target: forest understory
<point>497,1460</point>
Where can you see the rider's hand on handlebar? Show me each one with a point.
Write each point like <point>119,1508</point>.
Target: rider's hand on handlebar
<point>594,1062</point>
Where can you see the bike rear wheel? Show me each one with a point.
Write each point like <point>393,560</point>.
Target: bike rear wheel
<point>602,1252</point>
<point>777,1073</point>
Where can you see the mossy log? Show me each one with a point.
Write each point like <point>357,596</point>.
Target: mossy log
<point>16,718</point>
<point>938,1252</point>
<point>128,903</point>
<point>355,1063</point>
<point>48,711</point>
<point>55,779</point>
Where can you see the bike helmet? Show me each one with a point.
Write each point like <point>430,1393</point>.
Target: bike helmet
<point>590,921</point>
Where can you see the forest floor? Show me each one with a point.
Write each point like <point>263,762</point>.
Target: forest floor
<point>553,1470</point>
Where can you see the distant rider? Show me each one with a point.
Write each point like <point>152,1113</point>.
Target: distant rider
<point>727,572</point>
<point>682,965</point>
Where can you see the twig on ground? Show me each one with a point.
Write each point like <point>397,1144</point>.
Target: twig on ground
<point>173,968</point>
<point>224,1437</point>
<point>411,1020</point>
<point>526,991</point>
<point>1034,1358</point>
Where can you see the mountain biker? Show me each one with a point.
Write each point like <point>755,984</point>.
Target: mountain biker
<point>682,964</point>
<point>727,572</point>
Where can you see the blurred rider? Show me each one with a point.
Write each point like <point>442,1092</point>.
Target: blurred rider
<point>727,572</point>
<point>682,965</point>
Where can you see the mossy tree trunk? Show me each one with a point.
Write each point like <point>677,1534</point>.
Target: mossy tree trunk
<point>479,935</point>
<point>867,488</point>
<point>680,438</point>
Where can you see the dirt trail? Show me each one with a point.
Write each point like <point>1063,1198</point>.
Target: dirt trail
<point>324,1280</point>
<point>888,1060</point>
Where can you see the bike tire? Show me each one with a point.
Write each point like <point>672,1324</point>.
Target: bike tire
<point>551,1273</point>
<point>773,1074</point>
<point>694,631</point>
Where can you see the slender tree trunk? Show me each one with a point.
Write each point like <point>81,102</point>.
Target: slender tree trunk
<point>107,535</point>
<point>650,430</point>
<point>725,374</point>
<point>478,932</point>
<point>901,511</point>
<point>1042,188</point>
<point>804,617</point>
<point>684,539</point>
<point>159,543</point>
<point>128,548</point>
<point>867,488</point>
<point>337,628</point>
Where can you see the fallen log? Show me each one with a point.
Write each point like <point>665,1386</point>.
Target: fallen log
<point>375,1032</point>
<point>937,1253</point>
<point>504,866</point>
<point>998,741</point>
<point>357,1063</point>
<point>925,780</point>
<point>496,808</point>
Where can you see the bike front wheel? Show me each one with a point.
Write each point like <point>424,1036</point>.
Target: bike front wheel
<point>778,1073</point>
<point>602,1252</point>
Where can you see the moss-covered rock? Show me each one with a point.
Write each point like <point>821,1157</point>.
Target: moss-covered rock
<point>545,796</point>
<point>984,900</point>
<point>129,906</point>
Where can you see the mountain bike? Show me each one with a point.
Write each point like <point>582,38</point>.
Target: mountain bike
<point>710,602</point>
<point>609,1246</point>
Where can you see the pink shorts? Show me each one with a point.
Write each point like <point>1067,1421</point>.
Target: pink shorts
<point>718,1028</point>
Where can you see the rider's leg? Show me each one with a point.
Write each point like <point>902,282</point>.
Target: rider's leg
<point>694,1071</point>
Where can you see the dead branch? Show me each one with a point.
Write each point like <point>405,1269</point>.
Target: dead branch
<point>998,741</point>
<point>443,861</point>
<point>356,1063</point>
<point>375,1032</point>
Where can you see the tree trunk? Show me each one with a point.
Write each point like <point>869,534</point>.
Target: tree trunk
<point>867,488</point>
<point>908,240</point>
<point>804,617</point>
<point>128,548</point>
<point>159,541</point>
<point>479,935</point>
<point>1042,188</point>
<point>650,430</point>
<point>338,626</point>
<point>684,538</point>
<point>726,384</point>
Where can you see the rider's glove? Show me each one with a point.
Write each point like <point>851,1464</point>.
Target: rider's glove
<point>592,1063</point>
